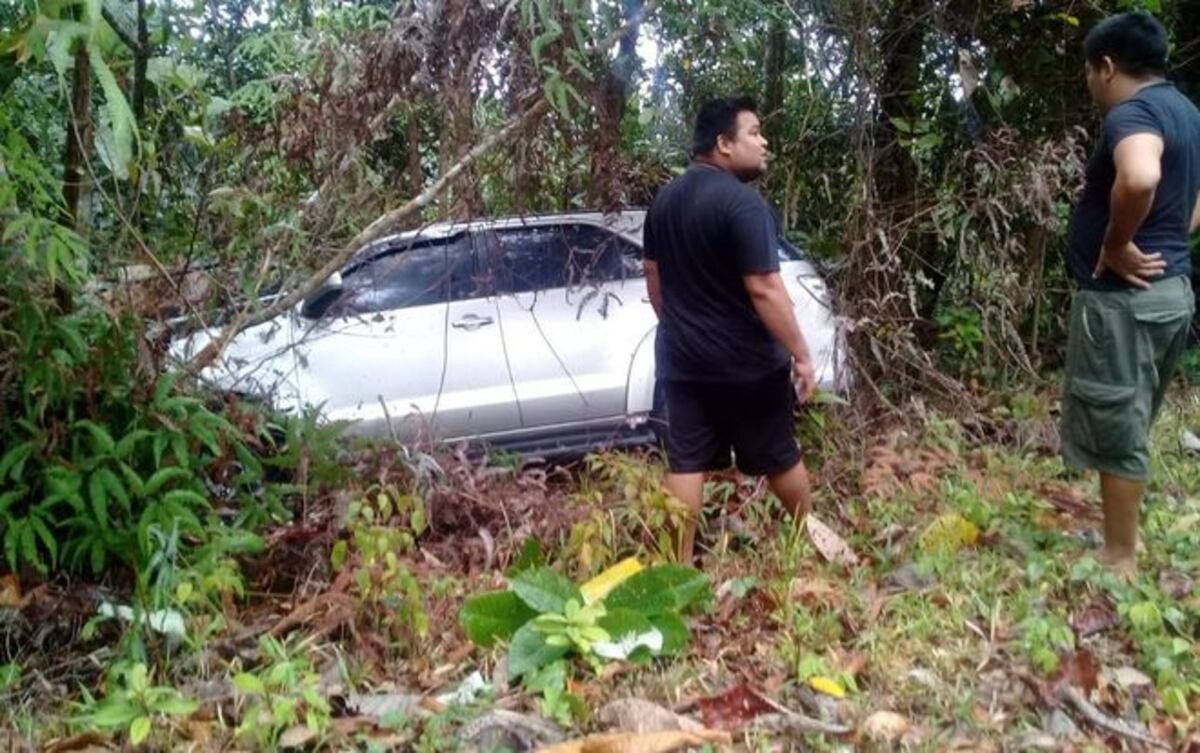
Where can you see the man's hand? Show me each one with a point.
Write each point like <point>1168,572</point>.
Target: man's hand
<point>805,378</point>
<point>1131,265</point>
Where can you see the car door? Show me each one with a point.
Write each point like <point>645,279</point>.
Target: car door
<point>571,301</point>
<point>408,349</point>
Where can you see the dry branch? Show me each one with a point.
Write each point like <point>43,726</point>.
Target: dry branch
<point>247,318</point>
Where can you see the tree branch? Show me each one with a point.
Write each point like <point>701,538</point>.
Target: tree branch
<point>373,231</point>
<point>381,226</point>
<point>123,35</point>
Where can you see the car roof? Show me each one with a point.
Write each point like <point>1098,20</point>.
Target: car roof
<point>627,223</point>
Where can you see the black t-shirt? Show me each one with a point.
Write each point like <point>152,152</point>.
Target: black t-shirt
<point>1158,109</point>
<point>706,229</point>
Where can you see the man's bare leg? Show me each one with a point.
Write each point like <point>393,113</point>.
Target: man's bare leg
<point>1121,498</point>
<point>688,488</point>
<point>793,489</point>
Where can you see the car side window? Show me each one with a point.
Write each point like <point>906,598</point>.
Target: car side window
<point>413,273</point>
<point>557,256</point>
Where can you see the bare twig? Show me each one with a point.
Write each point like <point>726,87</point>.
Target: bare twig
<point>1098,718</point>
<point>378,228</point>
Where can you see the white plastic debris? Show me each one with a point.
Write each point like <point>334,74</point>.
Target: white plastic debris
<point>167,622</point>
<point>467,691</point>
<point>624,646</point>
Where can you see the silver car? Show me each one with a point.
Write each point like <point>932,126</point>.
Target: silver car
<point>532,334</point>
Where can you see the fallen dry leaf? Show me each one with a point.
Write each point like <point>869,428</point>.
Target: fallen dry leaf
<point>1128,677</point>
<point>1078,670</point>
<point>812,591</point>
<point>296,736</point>
<point>640,715</point>
<point>884,727</point>
<point>646,742</point>
<point>1175,584</point>
<point>733,708</point>
<point>1097,618</point>
<point>831,546</point>
<point>10,592</point>
<point>88,741</point>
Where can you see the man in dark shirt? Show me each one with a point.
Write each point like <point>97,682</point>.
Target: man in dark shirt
<point>728,345</point>
<point>1128,253</point>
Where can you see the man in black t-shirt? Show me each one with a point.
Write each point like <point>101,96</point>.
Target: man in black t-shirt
<point>728,345</point>
<point>1128,253</point>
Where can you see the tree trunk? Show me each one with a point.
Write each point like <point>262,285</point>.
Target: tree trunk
<point>773,68</point>
<point>140,60</point>
<point>606,187</point>
<point>416,175</point>
<point>79,138</point>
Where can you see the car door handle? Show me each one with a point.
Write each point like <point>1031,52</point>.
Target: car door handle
<point>472,322</point>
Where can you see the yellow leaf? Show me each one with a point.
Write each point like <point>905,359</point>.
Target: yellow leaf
<point>949,533</point>
<point>827,686</point>
<point>599,587</point>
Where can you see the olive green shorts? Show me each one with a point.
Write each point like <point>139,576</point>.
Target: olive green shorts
<point>1122,350</point>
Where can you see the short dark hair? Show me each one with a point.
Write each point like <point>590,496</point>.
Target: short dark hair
<point>718,117</point>
<point>1136,42</point>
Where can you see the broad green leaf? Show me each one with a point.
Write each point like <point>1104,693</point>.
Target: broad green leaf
<point>492,616</point>
<point>545,590</point>
<point>529,651</point>
<point>113,713</point>
<point>674,631</point>
<point>139,730</point>
<point>631,636</point>
<point>176,705</point>
<point>660,589</point>
<point>248,683</point>
<point>117,132</point>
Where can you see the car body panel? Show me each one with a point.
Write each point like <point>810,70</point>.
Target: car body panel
<point>509,362</point>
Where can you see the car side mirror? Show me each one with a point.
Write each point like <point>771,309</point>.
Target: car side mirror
<point>319,301</point>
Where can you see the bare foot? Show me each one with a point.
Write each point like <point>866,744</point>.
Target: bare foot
<point>1122,564</point>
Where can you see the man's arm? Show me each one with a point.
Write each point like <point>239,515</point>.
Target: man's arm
<point>1196,216</point>
<point>774,306</point>
<point>653,285</point>
<point>1138,161</point>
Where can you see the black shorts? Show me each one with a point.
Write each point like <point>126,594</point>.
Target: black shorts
<point>706,419</point>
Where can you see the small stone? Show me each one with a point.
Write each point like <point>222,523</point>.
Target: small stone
<point>885,727</point>
<point>1061,725</point>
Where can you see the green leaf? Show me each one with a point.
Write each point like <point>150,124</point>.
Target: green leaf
<point>116,135</point>
<point>529,651</point>
<point>162,477</point>
<point>129,442</point>
<point>185,498</point>
<point>113,713</point>
<point>493,616</point>
<point>43,533</point>
<point>176,705</point>
<point>102,440</point>
<point>98,495</point>
<point>139,730</point>
<point>13,462</point>
<point>676,635</point>
<point>531,556</point>
<point>545,590</point>
<point>116,489</point>
<point>248,683</point>
<point>660,589</point>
